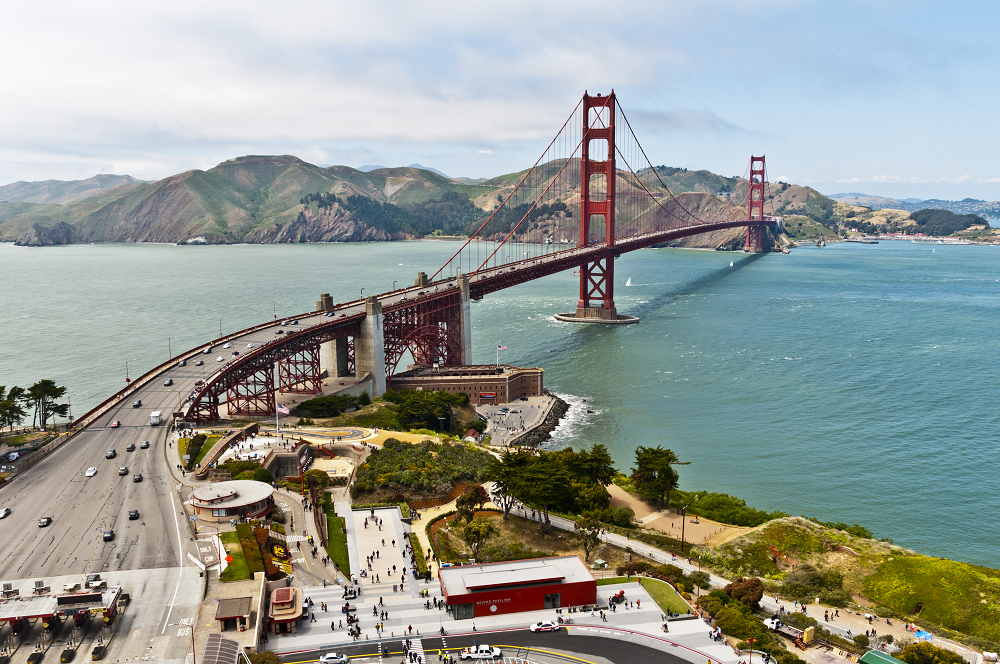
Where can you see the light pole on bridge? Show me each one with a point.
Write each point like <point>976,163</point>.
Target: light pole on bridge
<point>362,293</point>
<point>220,327</point>
<point>169,351</point>
<point>394,284</point>
<point>127,379</point>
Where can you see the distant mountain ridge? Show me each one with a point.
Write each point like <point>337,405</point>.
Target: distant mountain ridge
<point>62,192</point>
<point>989,209</point>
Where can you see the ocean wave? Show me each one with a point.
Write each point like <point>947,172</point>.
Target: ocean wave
<point>575,419</point>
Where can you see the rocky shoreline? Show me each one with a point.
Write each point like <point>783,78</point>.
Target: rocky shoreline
<point>543,431</point>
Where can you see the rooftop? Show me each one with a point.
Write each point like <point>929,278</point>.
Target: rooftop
<point>476,578</point>
<point>233,607</point>
<point>244,492</point>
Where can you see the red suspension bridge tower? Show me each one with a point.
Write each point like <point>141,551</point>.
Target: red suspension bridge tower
<point>755,206</point>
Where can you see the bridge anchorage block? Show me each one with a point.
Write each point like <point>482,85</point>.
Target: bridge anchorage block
<point>597,315</point>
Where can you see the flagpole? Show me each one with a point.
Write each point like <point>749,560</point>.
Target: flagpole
<point>498,355</point>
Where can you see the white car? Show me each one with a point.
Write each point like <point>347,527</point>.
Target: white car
<point>481,652</point>
<point>333,658</point>
<point>91,471</point>
<point>544,626</point>
<point>249,346</point>
<point>228,345</point>
<point>220,359</point>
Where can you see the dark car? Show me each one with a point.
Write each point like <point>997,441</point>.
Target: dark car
<point>92,580</point>
<point>109,535</point>
<point>110,454</point>
<point>168,382</point>
<point>137,403</point>
<point>133,515</point>
<point>130,447</point>
<point>137,477</point>
<point>198,363</point>
<point>236,353</point>
<point>144,445</point>
<point>123,471</point>
<point>44,521</point>
<point>182,363</point>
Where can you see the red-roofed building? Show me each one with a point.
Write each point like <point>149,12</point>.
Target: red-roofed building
<point>522,585</point>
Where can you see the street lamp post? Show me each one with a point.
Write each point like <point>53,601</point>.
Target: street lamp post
<point>275,311</point>
<point>362,293</point>
<point>127,379</point>
<point>394,284</point>
<point>191,627</point>
<point>697,601</point>
<point>683,511</point>
<point>169,351</point>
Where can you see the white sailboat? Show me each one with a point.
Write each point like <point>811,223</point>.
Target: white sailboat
<point>730,263</point>
<point>629,282</point>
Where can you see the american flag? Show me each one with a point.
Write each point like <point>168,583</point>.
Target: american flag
<point>501,347</point>
<point>283,409</point>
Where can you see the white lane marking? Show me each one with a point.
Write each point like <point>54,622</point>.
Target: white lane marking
<point>180,565</point>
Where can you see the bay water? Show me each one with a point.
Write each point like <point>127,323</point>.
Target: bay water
<point>850,383</point>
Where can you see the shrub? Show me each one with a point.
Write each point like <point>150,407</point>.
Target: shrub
<point>925,653</point>
<point>263,475</point>
<point>322,479</point>
<point>748,591</point>
<point>862,640</point>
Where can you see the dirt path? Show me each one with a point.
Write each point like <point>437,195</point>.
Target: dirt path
<point>697,530</point>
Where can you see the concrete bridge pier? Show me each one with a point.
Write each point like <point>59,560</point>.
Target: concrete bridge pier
<point>369,347</point>
<point>465,321</point>
<point>333,355</point>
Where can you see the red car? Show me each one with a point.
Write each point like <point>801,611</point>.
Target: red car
<point>115,424</point>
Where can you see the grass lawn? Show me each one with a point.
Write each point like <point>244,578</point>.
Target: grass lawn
<point>610,581</point>
<point>209,444</point>
<point>337,544</point>
<point>182,446</point>
<point>665,596</point>
<point>237,570</point>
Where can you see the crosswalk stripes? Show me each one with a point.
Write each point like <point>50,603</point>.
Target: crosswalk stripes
<point>417,648</point>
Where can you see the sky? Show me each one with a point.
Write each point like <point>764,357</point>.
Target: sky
<point>886,98</point>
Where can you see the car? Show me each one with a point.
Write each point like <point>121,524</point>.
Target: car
<point>13,456</point>
<point>481,652</point>
<point>207,350</point>
<point>333,658</point>
<point>91,471</point>
<point>280,332</point>
<point>109,535</point>
<point>199,382</point>
<point>133,515</point>
<point>115,424</point>
<point>544,626</point>
<point>343,316</point>
<point>220,359</point>
<point>294,322</point>
<point>92,580</point>
<point>110,454</point>
<point>130,447</point>
<point>284,322</point>
<point>249,346</point>
<point>4,513</point>
<point>236,353</point>
<point>44,521</point>
<point>123,471</point>
<point>227,345</point>
<point>168,382</point>
<point>137,403</point>
<point>137,477</point>
<point>772,624</point>
<point>144,445</point>
<point>199,363</point>
<point>182,363</point>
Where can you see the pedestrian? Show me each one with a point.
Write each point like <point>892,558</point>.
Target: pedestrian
<point>410,629</point>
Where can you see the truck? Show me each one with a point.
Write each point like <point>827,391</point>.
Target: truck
<point>481,652</point>
<point>155,418</point>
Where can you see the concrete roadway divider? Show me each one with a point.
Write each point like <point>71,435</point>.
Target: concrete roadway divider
<point>648,640</point>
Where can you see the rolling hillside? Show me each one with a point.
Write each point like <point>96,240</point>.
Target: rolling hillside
<point>266,199</point>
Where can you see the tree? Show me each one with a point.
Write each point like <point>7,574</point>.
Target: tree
<point>654,473</point>
<point>543,484</point>
<point>597,465</point>
<point>44,394</point>
<point>749,591</point>
<point>588,533</point>
<point>264,475</point>
<point>475,534</point>
<point>12,403</point>
<point>925,653</point>
<point>505,473</point>
<point>473,498</point>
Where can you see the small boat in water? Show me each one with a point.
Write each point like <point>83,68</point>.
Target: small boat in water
<point>821,242</point>
<point>730,263</point>
<point>629,282</point>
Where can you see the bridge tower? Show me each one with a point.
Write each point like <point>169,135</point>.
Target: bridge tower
<point>597,203</point>
<point>755,206</point>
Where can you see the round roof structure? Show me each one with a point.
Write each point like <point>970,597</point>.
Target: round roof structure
<point>231,494</point>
